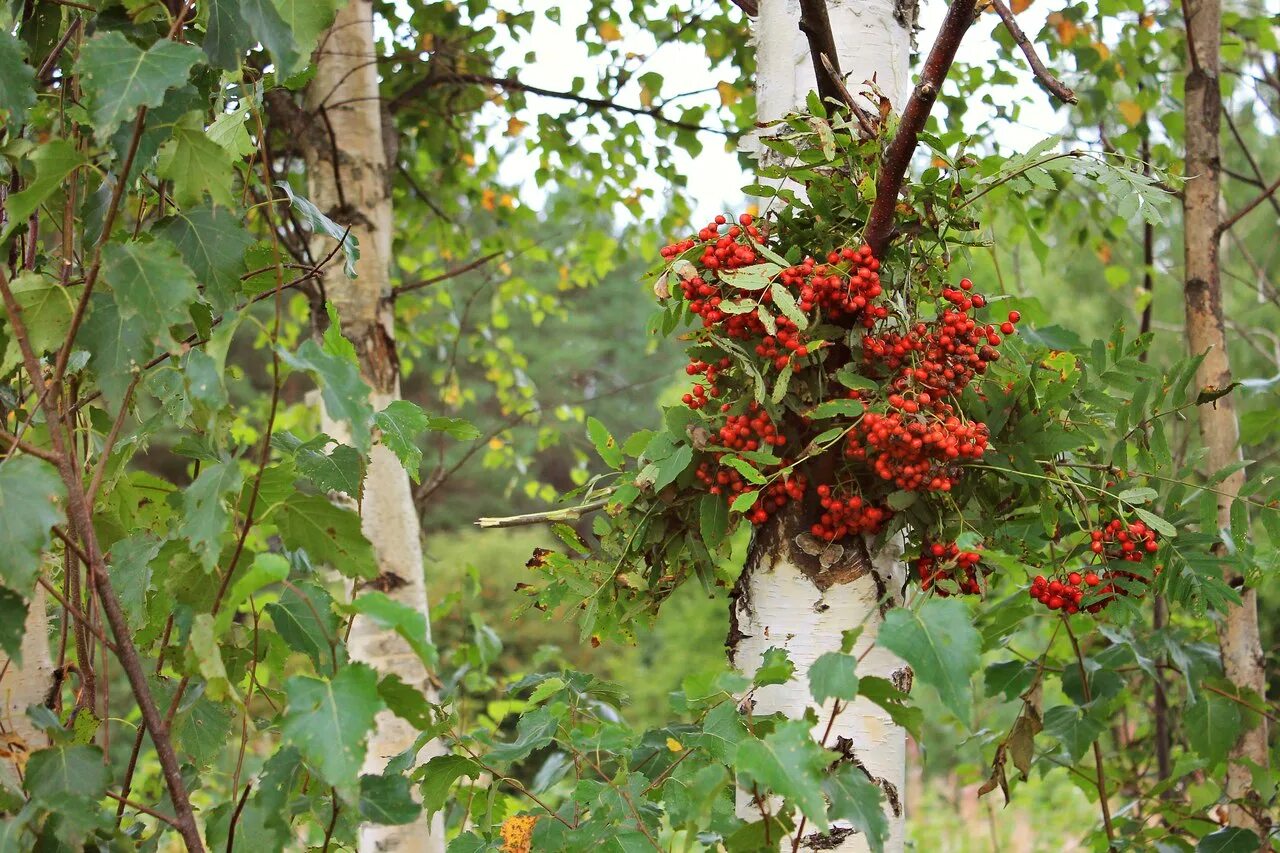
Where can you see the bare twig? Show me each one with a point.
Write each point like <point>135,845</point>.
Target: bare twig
<point>1248,208</point>
<point>571,513</point>
<point>402,289</point>
<point>1053,84</point>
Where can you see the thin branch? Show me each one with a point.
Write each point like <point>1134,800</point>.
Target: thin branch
<point>511,84</point>
<point>13,441</point>
<point>1097,750</point>
<point>1231,220</point>
<point>897,156</point>
<point>1258,180</point>
<point>750,8</point>
<point>1053,84</point>
<point>815,23</point>
<point>572,513</point>
<point>402,289</point>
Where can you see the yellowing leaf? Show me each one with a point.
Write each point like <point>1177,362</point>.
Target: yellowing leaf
<point>517,833</point>
<point>646,97</point>
<point>674,745</point>
<point>729,95</point>
<point>1131,112</point>
<point>487,199</point>
<point>1019,6</point>
<point>515,125</point>
<point>1065,27</point>
<point>609,31</point>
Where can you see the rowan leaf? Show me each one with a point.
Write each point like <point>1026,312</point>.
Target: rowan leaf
<point>789,762</point>
<point>119,77</point>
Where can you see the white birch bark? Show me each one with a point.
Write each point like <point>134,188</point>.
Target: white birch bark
<point>347,173</point>
<point>786,598</point>
<point>21,686</point>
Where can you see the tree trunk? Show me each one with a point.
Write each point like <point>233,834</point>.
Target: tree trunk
<point>349,180</point>
<point>21,686</point>
<point>784,597</point>
<point>1242,657</point>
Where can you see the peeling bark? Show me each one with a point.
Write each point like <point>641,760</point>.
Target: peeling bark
<point>23,684</point>
<point>796,593</point>
<point>348,176</point>
<point>1238,634</point>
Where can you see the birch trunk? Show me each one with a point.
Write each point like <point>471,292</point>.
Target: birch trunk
<point>1242,658</point>
<point>348,177</point>
<point>22,685</point>
<point>785,598</point>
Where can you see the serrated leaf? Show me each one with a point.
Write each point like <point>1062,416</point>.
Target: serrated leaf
<point>205,655</point>
<point>31,495</point>
<point>339,470</point>
<point>881,692</point>
<point>328,721</point>
<point>266,569</point>
<point>268,27</point>
<point>858,800</point>
<point>837,408</point>
<point>53,161</point>
<point>833,676</point>
<point>386,800</point>
<point>745,468</point>
<point>1212,726</point>
<point>1229,839</point>
<point>941,645</point>
<point>116,345</point>
<point>197,165</point>
<point>17,81</point>
<point>205,511</point>
<point>304,619</point>
<point>776,667</point>
<point>401,422</point>
<point>439,775</point>
<point>673,466</point>
<point>745,501</point>
<point>121,77</point>
<point>67,776</point>
<point>1156,523</point>
<point>13,624</point>
<point>227,35</point>
<point>306,20</point>
<point>535,730</point>
<point>46,312</point>
<point>212,241</point>
<point>344,392</point>
<point>130,561</point>
<point>328,533</point>
<point>787,305</point>
<point>1073,728</point>
<point>150,281</point>
<point>1138,496</point>
<point>790,763</point>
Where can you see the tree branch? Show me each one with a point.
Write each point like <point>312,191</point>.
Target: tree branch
<point>513,85</point>
<point>1053,84</point>
<point>815,23</point>
<point>570,513</point>
<point>897,156</point>
<point>402,289</point>
<point>1231,220</point>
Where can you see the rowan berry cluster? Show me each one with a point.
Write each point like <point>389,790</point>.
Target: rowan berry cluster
<point>726,481</point>
<point>946,562</point>
<point>751,431</point>
<point>845,513</point>
<point>914,451</point>
<point>701,393</point>
<point>1117,542</point>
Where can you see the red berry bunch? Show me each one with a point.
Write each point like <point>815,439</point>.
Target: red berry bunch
<point>699,394</point>
<point>1116,542</point>
<point>751,431</point>
<point>947,562</point>
<point>845,513</point>
<point>915,450</point>
<point>722,480</point>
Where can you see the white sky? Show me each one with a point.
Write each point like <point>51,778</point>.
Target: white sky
<point>713,176</point>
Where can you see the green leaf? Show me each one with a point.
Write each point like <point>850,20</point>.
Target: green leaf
<point>116,344</point>
<point>755,277</point>
<point>202,732</point>
<point>858,800</point>
<point>1156,523</point>
<point>120,77</point>
<point>345,394</point>
<point>197,165</point>
<point>1074,729</point>
<point>386,800</point>
<point>535,730</point>
<point>206,513</point>
<point>744,501</point>
<point>212,241</point>
<point>67,776</point>
<point>307,19</point>
<point>604,443</point>
<point>31,494</point>
<point>305,620</point>
<point>205,655</point>
<point>459,428</point>
<point>940,644</point>
<point>150,281</point>
<point>13,624</point>
<point>130,561</point>
<point>673,466</point>
<point>787,305</point>
<point>837,408</point>
<point>713,520</point>
<point>329,721</point>
<point>226,35</point>
<point>776,667</point>
<point>267,569</point>
<point>328,533</point>
<point>790,763</point>
<point>439,775</point>
<point>46,311</point>
<point>401,423</point>
<point>324,225</point>
<point>269,28</point>
<point>406,702</point>
<point>1138,496</point>
<point>17,82</point>
<point>53,161</point>
<point>1212,726</point>
<point>1229,839</point>
<point>339,470</point>
<point>833,675</point>
<point>745,468</point>
<point>406,621</point>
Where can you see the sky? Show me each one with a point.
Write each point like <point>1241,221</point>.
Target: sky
<point>714,176</point>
